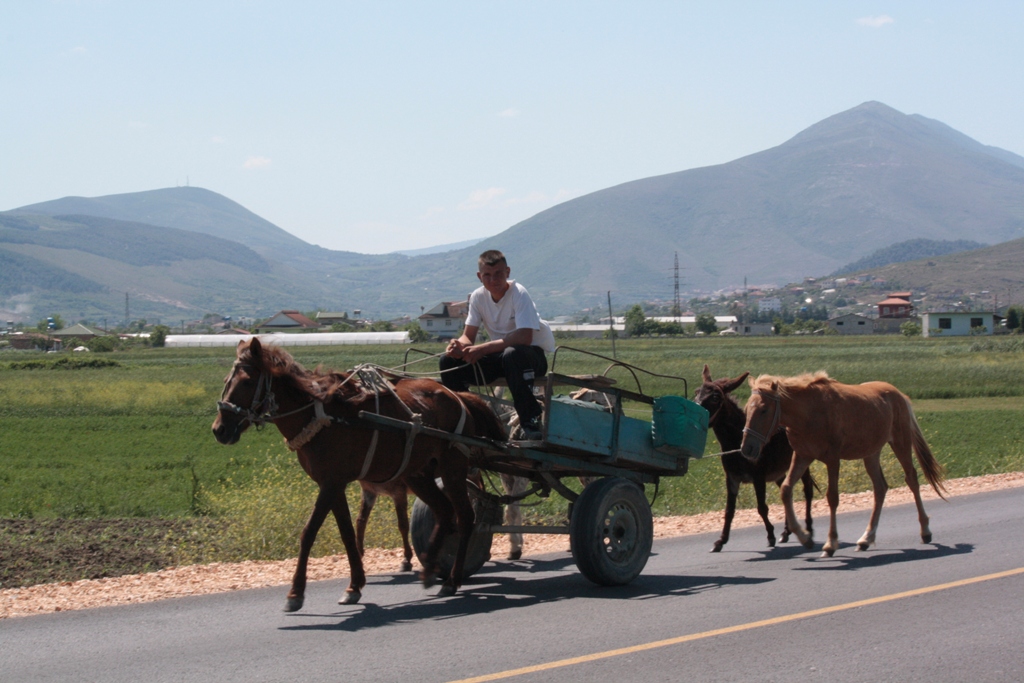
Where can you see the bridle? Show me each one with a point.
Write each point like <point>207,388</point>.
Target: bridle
<point>262,408</point>
<point>713,418</point>
<point>766,437</point>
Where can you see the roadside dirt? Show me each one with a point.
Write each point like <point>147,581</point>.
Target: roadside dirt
<point>221,577</point>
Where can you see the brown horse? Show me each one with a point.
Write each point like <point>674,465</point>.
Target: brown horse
<point>318,414</point>
<point>829,421</point>
<point>727,420</point>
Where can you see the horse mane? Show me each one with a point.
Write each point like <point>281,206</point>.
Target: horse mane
<point>320,384</point>
<point>784,385</point>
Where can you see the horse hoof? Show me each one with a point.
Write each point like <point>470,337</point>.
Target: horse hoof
<point>349,598</point>
<point>447,590</point>
<point>717,548</point>
<point>784,538</point>
<point>428,579</point>
<point>861,547</point>
<point>926,538</point>
<point>809,544</point>
<point>293,604</point>
<point>828,552</point>
<point>406,566</point>
<point>515,554</point>
<point>771,542</point>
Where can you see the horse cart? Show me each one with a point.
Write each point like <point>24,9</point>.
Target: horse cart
<point>614,455</point>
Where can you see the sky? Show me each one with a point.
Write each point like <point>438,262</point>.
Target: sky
<point>383,126</point>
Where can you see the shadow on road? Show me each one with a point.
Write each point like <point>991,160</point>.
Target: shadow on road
<point>496,588</point>
<point>881,558</point>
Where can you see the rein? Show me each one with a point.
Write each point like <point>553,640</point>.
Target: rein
<point>764,438</point>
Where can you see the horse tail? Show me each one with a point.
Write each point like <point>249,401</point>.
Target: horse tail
<point>486,422</point>
<point>929,465</point>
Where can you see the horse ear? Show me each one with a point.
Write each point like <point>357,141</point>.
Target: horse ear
<point>256,351</point>
<point>775,386</point>
<point>707,374</point>
<point>733,383</point>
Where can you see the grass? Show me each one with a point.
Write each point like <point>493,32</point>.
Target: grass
<point>131,439</point>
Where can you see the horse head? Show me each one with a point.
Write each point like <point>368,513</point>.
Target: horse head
<point>246,399</point>
<point>764,412</point>
<point>712,394</point>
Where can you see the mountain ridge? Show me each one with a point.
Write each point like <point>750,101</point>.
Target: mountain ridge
<point>853,183</point>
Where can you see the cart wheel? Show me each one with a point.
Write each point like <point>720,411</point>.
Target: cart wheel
<point>611,531</point>
<point>421,525</point>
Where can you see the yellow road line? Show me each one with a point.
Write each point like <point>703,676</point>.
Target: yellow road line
<point>736,629</point>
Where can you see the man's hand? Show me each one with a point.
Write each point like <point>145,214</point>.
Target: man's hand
<point>472,354</point>
<point>456,349</point>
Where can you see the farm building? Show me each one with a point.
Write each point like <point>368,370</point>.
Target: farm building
<point>958,323</point>
<point>751,329</point>
<point>179,341</point>
<point>851,323</point>
<point>445,320</point>
<point>288,321</point>
<point>78,330</point>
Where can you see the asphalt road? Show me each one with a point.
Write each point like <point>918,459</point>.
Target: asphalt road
<point>747,614</point>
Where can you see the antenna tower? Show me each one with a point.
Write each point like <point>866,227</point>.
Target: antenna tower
<point>676,309</point>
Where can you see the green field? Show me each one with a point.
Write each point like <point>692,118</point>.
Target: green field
<point>134,440</point>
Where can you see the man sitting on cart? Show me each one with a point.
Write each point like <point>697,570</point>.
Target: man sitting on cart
<point>518,341</point>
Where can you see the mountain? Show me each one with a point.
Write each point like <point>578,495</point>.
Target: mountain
<point>911,250</point>
<point>846,187</point>
<point>995,270</point>
<point>841,189</point>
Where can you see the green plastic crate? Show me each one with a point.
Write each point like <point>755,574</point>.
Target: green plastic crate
<point>679,427</point>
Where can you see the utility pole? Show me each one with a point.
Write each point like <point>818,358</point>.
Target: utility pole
<point>126,311</point>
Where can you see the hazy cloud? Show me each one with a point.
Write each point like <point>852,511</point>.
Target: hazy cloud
<point>480,199</point>
<point>256,163</point>
<point>217,140</point>
<point>876,22</point>
<point>509,113</point>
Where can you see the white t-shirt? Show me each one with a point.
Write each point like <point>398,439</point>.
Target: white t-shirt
<point>516,310</point>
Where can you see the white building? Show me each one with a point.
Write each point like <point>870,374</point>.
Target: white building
<point>958,323</point>
<point>770,303</point>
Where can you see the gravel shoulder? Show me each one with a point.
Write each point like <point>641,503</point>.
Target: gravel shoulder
<point>221,577</point>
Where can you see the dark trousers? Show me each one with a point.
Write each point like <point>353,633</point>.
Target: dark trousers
<point>519,365</point>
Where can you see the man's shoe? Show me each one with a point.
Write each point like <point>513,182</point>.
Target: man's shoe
<point>531,430</point>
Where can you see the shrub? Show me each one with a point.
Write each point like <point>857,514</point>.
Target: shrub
<point>262,520</point>
<point>910,329</point>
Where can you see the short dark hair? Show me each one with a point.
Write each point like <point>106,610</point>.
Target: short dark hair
<point>492,257</point>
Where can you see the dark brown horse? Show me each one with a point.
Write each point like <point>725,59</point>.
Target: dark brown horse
<point>829,421</point>
<point>318,414</point>
<point>727,420</point>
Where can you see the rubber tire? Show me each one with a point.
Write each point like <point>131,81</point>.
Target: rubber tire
<point>421,525</point>
<point>611,531</point>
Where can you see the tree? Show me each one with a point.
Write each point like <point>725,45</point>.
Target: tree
<point>1014,318</point>
<point>52,323</point>
<point>158,337</point>
<point>636,321</point>
<point>705,323</point>
<point>416,333</point>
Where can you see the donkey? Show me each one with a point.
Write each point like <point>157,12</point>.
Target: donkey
<point>727,420</point>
